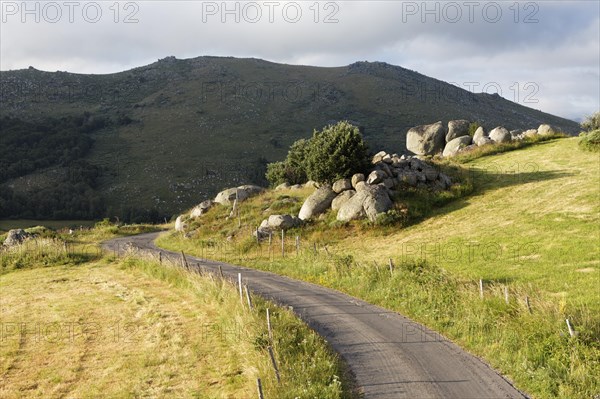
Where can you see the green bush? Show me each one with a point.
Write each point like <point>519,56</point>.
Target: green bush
<point>473,128</point>
<point>591,122</point>
<point>336,152</point>
<point>590,141</point>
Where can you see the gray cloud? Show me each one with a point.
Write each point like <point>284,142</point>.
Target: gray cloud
<point>554,45</point>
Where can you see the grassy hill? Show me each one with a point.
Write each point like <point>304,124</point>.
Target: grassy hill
<point>176,131</point>
<point>528,230</point>
<point>79,324</point>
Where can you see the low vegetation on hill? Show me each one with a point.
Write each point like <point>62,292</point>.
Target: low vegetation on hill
<point>499,266</point>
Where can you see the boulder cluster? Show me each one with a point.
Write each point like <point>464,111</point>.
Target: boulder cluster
<point>371,195</point>
<point>356,198</point>
<point>454,138</point>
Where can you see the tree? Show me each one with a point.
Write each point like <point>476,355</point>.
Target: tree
<point>336,152</point>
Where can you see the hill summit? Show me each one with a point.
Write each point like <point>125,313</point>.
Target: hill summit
<point>172,133</point>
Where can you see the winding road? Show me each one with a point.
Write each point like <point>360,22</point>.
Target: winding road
<point>390,356</point>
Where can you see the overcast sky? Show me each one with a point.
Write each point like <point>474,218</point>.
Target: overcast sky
<point>543,54</point>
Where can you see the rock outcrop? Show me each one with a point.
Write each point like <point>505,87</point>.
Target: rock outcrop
<point>426,139</point>
<point>455,145</point>
<point>241,193</point>
<point>317,203</point>
<point>16,237</point>
<point>500,135</point>
<point>457,128</point>
<point>201,208</point>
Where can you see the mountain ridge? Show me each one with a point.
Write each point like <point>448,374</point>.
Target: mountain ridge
<point>178,130</point>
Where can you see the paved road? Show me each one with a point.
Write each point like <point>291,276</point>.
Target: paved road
<point>390,355</point>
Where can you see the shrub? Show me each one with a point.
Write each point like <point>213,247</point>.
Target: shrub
<point>590,141</point>
<point>591,122</point>
<point>473,126</point>
<point>336,152</point>
<point>291,170</point>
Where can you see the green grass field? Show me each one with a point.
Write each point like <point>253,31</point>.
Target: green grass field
<point>528,228</point>
<point>78,324</point>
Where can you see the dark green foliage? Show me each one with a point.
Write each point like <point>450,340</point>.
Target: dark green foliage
<point>28,147</point>
<point>336,152</point>
<point>292,170</point>
<point>473,128</point>
<point>590,141</point>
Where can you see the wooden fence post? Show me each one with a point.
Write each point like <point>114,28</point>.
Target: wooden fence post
<point>506,295</point>
<point>250,306</point>
<point>481,288</point>
<point>282,243</point>
<point>240,287</point>
<point>272,356</point>
<point>260,390</point>
<point>269,326</point>
<point>391,267</point>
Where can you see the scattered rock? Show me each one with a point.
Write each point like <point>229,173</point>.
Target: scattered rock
<point>455,145</point>
<point>426,139</point>
<point>342,185</point>
<point>457,128</point>
<point>547,130</point>
<point>311,184</point>
<point>369,202</point>
<point>376,176</point>
<point>530,133</point>
<point>16,237</point>
<point>378,157</point>
<point>180,225</point>
<point>341,199</point>
<point>226,197</point>
<point>282,186</point>
<point>317,203</point>
<point>500,135</point>
<point>282,222</point>
<point>357,178</point>
<point>201,208</point>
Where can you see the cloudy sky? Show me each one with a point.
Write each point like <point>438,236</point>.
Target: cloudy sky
<point>543,54</point>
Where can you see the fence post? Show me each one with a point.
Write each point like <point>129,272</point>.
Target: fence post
<point>391,267</point>
<point>269,326</point>
<point>240,287</point>
<point>259,387</point>
<point>481,288</point>
<point>527,303</point>
<point>282,243</point>
<point>297,245</point>
<point>571,331</point>
<point>506,295</point>
<point>272,356</point>
<point>248,298</point>
<point>184,261</point>
<point>221,272</point>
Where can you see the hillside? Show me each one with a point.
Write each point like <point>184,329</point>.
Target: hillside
<point>176,131</point>
<point>528,231</point>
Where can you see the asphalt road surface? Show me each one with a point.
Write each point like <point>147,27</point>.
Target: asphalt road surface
<point>390,356</point>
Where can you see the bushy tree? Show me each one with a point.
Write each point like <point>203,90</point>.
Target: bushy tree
<point>336,152</point>
<point>591,122</point>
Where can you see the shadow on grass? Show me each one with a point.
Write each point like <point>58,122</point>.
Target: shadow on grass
<point>471,182</point>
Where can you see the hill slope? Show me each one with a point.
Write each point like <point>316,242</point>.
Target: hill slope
<point>178,130</point>
<point>529,230</point>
